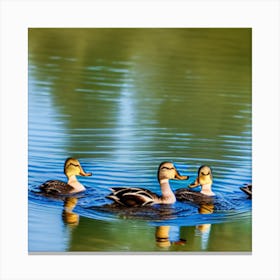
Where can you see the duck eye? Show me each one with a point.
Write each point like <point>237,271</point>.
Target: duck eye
<point>76,165</point>
<point>168,168</point>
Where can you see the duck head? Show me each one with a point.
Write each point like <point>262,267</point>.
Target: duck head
<point>167,170</point>
<point>205,173</point>
<point>73,167</point>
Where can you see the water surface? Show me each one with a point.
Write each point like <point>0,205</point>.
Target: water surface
<point>122,101</point>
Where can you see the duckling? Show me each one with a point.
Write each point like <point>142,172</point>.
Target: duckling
<point>72,168</point>
<point>247,189</point>
<point>204,179</point>
<point>130,197</point>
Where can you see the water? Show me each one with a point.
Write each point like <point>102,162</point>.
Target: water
<point>122,101</point>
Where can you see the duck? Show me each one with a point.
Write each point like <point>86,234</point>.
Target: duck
<point>72,168</point>
<point>247,189</point>
<point>205,180</point>
<point>133,196</point>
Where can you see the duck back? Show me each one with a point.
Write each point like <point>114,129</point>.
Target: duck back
<point>247,189</point>
<point>192,196</point>
<point>55,187</point>
<point>132,196</point>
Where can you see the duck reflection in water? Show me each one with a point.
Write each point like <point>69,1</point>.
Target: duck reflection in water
<point>203,230</point>
<point>162,233</point>
<point>163,240</point>
<point>68,216</point>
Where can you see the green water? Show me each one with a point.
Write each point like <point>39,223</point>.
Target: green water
<point>122,101</point>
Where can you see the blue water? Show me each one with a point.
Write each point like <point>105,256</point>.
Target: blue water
<point>121,111</point>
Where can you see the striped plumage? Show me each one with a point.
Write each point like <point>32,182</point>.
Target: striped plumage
<point>131,196</point>
<point>56,187</point>
<point>247,189</point>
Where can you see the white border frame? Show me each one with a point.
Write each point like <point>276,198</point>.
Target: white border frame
<point>18,16</point>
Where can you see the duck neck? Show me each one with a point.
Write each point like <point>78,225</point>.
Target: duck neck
<point>78,187</point>
<point>168,196</point>
<point>207,190</point>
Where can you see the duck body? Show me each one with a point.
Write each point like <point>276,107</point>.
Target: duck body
<point>132,196</point>
<point>247,189</point>
<point>72,168</point>
<point>56,187</point>
<point>126,196</point>
<point>195,197</point>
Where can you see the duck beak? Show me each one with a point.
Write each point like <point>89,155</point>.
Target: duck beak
<point>83,173</point>
<point>180,177</point>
